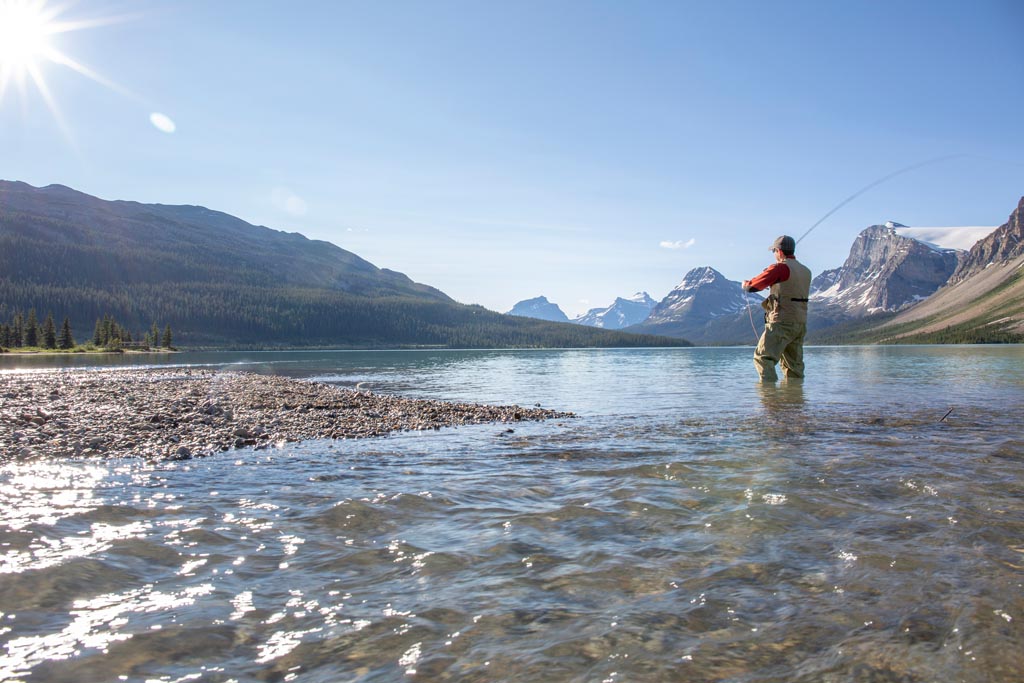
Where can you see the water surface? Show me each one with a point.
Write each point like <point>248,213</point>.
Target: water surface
<point>689,525</point>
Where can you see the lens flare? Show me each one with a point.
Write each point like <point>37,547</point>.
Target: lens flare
<point>162,122</point>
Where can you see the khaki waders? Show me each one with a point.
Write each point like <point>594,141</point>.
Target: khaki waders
<point>785,325</point>
<point>781,342</point>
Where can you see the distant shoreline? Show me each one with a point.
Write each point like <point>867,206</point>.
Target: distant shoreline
<point>181,413</point>
<point>82,351</point>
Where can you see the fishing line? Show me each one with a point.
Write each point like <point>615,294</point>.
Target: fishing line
<point>875,183</point>
<point>750,314</point>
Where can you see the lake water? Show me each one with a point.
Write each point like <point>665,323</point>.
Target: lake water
<point>688,525</point>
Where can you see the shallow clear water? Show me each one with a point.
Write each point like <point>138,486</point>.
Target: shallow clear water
<point>688,525</point>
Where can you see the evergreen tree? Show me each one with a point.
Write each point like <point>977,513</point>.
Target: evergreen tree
<point>154,335</point>
<point>49,333</point>
<point>18,330</point>
<point>97,335</point>
<point>66,341</point>
<point>5,335</point>
<point>32,329</point>
<point>109,330</point>
<point>167,337</point>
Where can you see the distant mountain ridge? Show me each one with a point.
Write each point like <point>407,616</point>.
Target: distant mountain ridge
<point>539,308</point>
<point>620,314</point>
<point>705,308</point>
<point>218,280</point>
<point>172,243</point>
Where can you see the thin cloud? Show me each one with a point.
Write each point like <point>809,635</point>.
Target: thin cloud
<point>678,244</point>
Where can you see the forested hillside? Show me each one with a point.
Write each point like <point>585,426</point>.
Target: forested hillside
<point>220,281</point>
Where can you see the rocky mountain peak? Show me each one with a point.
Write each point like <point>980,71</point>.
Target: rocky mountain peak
<point>539,307</point>
<point>703,292</point>
<point>885,271</point>
<point>706,307</point>
<point>1004,244</point>
<point>639,298</point>
<point>701,277</point>
<point>622,313</point>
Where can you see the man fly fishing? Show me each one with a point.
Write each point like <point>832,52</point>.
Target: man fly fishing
<point>785,312</point>
<point>790,281</point>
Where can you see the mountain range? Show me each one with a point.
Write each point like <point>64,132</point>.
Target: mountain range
<point>897,284</point>
<point>705,308</point>
<point>217,280</point>
<point>983,300</point>
<point>622,313</point>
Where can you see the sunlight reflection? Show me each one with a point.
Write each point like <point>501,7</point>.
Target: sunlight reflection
<point>243,604</point>
<point>47,493</point>
<point>50,552</point>
<point>96,624</point>
<point>281,643</point>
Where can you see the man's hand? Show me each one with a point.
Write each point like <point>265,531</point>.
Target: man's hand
<point>745,285</point>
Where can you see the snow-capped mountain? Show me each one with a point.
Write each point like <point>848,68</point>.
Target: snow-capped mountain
<point>704,293</point>
<point>622,313</point>
<point>960,238</point>
<point>705,308</point>
<point>887,270</point>
<point>984,298</point>
<point>539,308</point>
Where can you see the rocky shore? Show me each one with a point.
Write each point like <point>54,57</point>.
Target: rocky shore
<point>182,413</point>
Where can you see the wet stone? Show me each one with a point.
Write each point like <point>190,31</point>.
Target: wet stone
<point>185,413</point>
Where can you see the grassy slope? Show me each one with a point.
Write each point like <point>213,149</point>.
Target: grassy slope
<point>993,317</point>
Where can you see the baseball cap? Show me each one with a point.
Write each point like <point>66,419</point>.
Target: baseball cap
<point>784,242</point>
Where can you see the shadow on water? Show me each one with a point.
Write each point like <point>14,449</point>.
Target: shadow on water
<point>784,397</point>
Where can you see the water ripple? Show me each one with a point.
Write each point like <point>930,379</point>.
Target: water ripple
<point>841,532</point>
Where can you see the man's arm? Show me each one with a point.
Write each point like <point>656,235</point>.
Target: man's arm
<point>777,272</point>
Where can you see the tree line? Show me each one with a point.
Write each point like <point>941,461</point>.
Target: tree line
<point>24,331</point>
<point>231,314</point>
<point>264,289</point>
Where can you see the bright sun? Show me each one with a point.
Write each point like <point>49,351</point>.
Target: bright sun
<point>25,29</point>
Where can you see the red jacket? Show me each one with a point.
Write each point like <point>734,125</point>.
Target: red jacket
<point>773,274</point>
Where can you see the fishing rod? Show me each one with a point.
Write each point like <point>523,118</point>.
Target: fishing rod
<point>875,183</point>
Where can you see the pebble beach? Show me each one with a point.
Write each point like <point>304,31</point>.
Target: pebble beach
<point>183,413</point>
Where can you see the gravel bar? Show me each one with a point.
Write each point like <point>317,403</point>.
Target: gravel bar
<point>182,413</point>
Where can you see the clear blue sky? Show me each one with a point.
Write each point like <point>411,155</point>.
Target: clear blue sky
<point>504,150</point>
